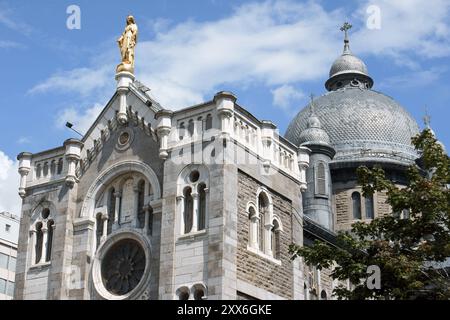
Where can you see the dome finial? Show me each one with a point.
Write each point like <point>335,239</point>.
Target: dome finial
<point>345,27</point>
<point>427,118</point>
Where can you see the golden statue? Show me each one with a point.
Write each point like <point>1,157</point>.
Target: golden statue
<point>127,42</point>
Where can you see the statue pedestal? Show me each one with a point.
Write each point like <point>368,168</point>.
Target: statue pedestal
<point>124,79</point>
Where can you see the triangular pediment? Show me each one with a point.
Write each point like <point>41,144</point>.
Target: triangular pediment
<point>141,110</point>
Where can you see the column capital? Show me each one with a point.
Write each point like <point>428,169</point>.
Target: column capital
<point>117,194</point>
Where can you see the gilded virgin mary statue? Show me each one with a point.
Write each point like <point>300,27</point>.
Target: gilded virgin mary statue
<point>127,43</point>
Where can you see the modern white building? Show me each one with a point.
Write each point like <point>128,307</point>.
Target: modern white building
<point>9,233</point>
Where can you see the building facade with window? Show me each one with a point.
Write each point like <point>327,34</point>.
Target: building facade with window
<point>9,232</point>
<point>203,202</point>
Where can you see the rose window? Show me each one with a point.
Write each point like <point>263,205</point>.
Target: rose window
<point>123,267</point>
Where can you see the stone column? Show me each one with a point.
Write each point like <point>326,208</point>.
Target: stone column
<point>147,218</point>
<point>135,220</point>
<point>117,196</point>
<point>124,79</point>
<point>24,168</point>
<point>180,212</point>
<point>163,128</point>
<point>254,229</point>
<point>105,227</point>
<point>73,151</point>
<point>195,206</point>
<point>33,246</point>
<point>44,242</point>
<point>268,239</point>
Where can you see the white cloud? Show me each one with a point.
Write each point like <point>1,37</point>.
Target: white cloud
<point>285,96</point>
<point>9,185</point>
<point>416,78</point>
<point>81,119</point>
<point>23,140</point>
<point>414,28</point>
<point>7,44</point>
<point>84,81</point>
<point>7,19</point>
<point>270,44</point>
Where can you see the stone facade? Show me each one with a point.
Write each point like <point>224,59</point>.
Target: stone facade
<point>119,200</point>
<point>272,275</point>
<point>203,202</point>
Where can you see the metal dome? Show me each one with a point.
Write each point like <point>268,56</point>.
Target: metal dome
<point>362,124</point>
<point>314,132</point>
<point>348,63</point>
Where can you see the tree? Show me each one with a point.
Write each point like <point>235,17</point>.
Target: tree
<point>410,252</point>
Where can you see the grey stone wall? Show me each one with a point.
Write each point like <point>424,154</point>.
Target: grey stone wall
<point>251,267</point>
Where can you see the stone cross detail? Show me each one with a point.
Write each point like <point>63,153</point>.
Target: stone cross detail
<point>345,27</point>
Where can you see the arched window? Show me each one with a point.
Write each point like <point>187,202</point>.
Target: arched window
<point>275,236</point>
<point>183,293</point>
<point>356,204</point>
<point>253,227</point>
<point>321,181</point>
<point>45,170</point>
<point>323,295</point>
<point>111,208</point>
<point>99,228</point>
<point>208,124</point>
<point>188,210</point>
<point>50,226</point>
<point>60,166</point>
<point>53,167</point>
<point>201,206</point>
<point>191,127</point>
<point>199,291</point>
<point>192,199</point>
<point>370,211</point>
<point>263,210</point>
<point>38,171</point>
<point>305,291</point>
<point>141,200</point>
<point>181,131</point>
<point>38,245</point>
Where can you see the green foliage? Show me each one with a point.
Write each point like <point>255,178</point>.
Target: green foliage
<point>407,251</point>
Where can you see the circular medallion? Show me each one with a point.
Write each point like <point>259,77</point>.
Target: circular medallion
<point>125,139</point>
<point>123,267</point>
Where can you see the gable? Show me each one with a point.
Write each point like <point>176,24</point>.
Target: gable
<point>141,110</point>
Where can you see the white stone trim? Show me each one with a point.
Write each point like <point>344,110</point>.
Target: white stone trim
<point>110,174</point>
<point>253,291</point>
<point>95,274</point>
<point>264,256</point>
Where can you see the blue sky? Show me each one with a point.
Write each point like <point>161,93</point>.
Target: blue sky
<point>271,54</point>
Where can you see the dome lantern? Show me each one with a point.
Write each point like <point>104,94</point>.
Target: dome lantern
<point>348,69</point>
